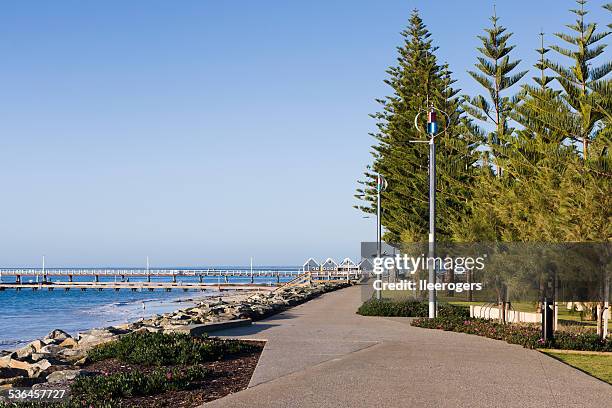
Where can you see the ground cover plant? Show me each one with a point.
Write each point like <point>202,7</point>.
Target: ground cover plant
<point>168,349</point>
<point>525,334</point>
<point>159,370</point>
<point>409,308</point>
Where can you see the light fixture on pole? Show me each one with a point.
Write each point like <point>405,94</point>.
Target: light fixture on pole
<point>432,131</point>
<point>381,185</point>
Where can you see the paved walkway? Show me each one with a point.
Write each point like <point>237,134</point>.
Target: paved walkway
<point>321,354</point>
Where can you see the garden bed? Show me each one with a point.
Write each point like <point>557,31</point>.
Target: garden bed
<point>159,370</point>
<point>526,334</point>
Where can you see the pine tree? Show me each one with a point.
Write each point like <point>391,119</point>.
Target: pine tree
<point>579,122</point>
<point>536,103</point>
<point>456,160</point>
<point>416,81</point>
<point>495,75</point>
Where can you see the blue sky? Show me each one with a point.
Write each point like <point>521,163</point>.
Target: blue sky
<point>206,132</point>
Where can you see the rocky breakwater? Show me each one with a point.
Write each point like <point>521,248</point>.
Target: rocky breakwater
<point>60,357</point>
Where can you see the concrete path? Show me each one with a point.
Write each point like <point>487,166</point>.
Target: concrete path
<point>321,354</point>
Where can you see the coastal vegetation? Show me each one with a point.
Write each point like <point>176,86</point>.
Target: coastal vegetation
<point>527,160</point>
<point>155,361</point>
<point>520,165</point>
<point>525,334</point>
<point>167,349</point>
<point>141,369</point>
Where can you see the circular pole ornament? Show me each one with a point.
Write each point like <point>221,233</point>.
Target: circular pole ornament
<point>432,121</point>
<point>381,183</point>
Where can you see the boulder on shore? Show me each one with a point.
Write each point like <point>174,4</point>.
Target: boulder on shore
<point>65,375</point>
<point>10,375</point>
<point>58,335</point>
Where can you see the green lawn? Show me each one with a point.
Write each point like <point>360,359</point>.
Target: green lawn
<point>597,365</point>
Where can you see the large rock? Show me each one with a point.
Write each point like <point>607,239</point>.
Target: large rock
<point>66,375</point>
<point>37,344</point>
<point>10,361</point>
<point>58,335</point>
<point>10,375</point>
<point>71,355</point>
<point>98,336</point>
<point>5,360</point>
<point>51,349</point>
<point>68,343</point>
<point>31,370</point>
<point>36,369</point>
<point>25,352</point>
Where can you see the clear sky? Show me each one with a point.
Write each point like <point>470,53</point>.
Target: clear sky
<point>205,132</point>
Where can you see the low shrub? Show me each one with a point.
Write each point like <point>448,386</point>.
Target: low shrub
<point>156,349</point>
<point>409,308</point>
<point>406,308</point>
<point>581,341</point>
<point>527,335</point>
<point>107,390</point>
<point>523,334</point>
<point>132,384</point>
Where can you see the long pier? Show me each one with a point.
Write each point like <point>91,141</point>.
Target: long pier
<point>134,286</point>
<point>140,279</point>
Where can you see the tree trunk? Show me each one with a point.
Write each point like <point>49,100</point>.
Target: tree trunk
<point>450,278</point>
<point>469,281</point>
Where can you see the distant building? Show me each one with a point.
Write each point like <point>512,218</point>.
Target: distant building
<point>311,266</point>
<point>348,266</point>
<point>365,265</point>
<point>329,265</point>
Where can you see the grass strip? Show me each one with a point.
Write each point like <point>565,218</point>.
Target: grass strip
<point>598,365</point>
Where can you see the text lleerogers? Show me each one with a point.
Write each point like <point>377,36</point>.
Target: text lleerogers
<point>411,264</point>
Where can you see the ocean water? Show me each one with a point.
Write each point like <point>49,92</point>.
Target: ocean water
<point>27,315</point>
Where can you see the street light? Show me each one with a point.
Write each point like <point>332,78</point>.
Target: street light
<point>432,131</point>
<point>381,185</point>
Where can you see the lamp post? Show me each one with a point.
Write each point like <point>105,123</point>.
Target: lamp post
<point>381,185</point>
<point>432,131</point>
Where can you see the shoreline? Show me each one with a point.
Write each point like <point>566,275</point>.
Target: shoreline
<point>153,307</point>
<point>59,352</point>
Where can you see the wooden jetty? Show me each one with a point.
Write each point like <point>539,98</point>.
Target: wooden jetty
<point>163,279</point>
<point>136,286</point>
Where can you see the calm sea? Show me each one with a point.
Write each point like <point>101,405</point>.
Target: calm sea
<point>27,315</point>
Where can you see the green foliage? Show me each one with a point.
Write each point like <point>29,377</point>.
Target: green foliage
<point>581,341</point>
<point>579,121</point>
<point>495,74</point>
<point>548,191</point>
<point>416,82</point>
<point>527,335</point>
<point>374,307</point>
<point>168,349</point>
<point>106,391</point>
<point>131,384</point>
<point>409,308</point>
